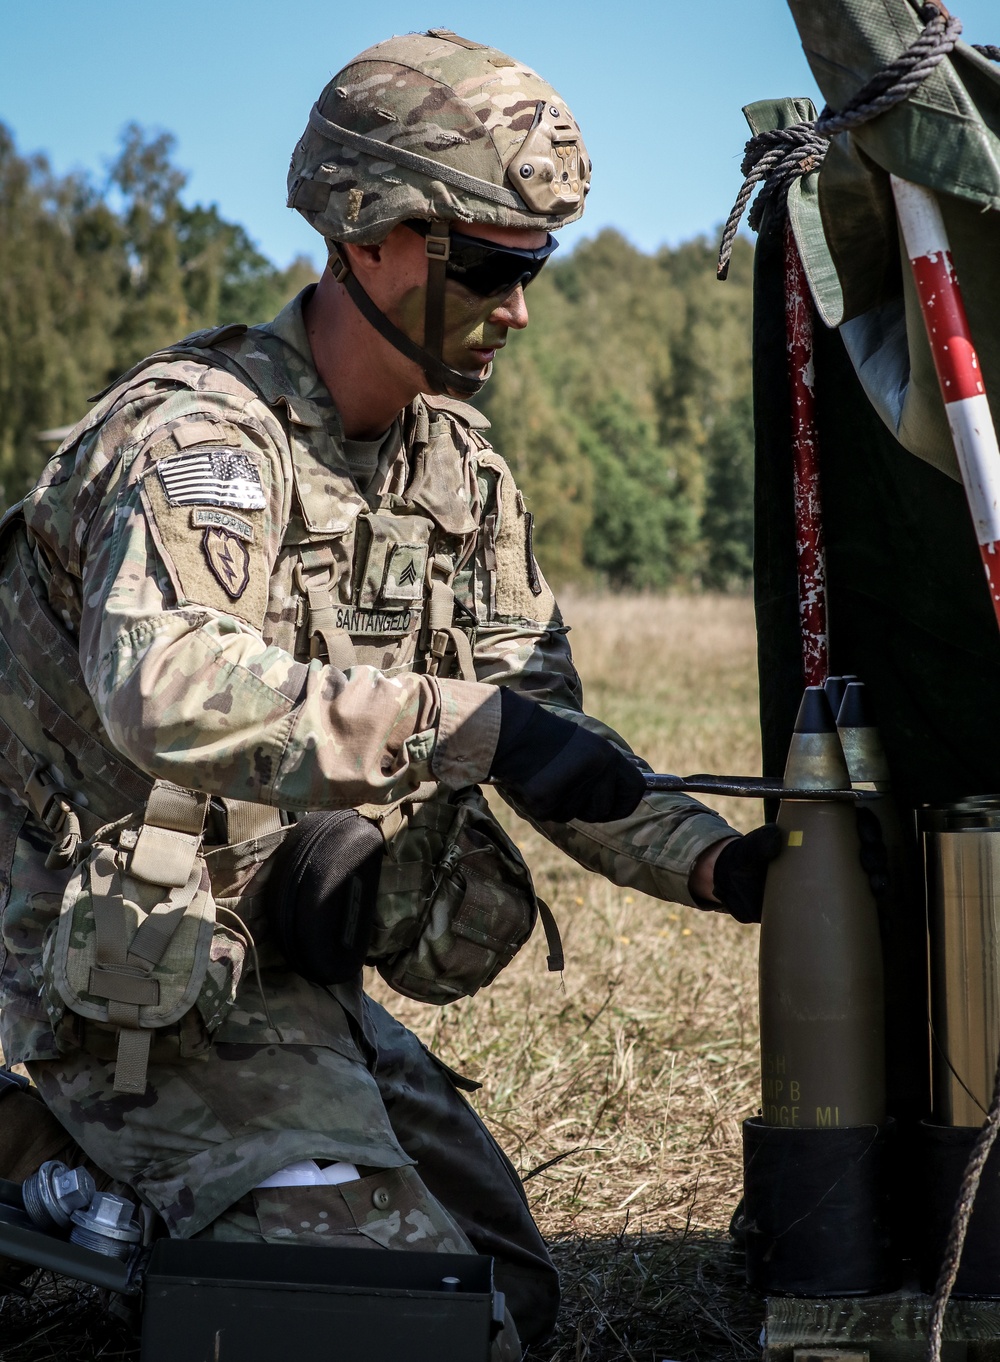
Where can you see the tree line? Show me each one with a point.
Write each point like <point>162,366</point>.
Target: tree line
<point>624,409</point>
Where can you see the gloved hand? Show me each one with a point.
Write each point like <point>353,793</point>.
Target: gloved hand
<point>559,771</point>
<point>741,870</point>
<point>872,852</point>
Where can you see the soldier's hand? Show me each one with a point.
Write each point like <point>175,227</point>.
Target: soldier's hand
<point>559,771</point>
<point>741,871</point>
<point>872,851</point>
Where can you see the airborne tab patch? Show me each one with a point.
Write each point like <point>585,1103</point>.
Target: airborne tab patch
<point>212,517</point>
<point>220,476</point>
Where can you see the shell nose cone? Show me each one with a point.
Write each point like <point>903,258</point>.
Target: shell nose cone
<point>815,714</point>
<point>815,757</point>
<point>855,708</point>
<point>835,686</point>
<point>860,740</point>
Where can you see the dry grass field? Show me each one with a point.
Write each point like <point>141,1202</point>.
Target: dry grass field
<point>618,1089</point>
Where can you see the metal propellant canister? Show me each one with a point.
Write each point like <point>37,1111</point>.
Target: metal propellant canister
<point>821,989</point>
<point>962,864</point>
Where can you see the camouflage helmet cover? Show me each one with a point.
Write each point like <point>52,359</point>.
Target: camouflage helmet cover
<point>431,125</point>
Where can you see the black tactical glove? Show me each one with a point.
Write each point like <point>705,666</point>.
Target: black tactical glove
<point>741,870</point>
<point>559,771</point>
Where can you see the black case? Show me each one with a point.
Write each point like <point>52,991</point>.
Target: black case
<point>323,891</point>
<point>216,1302</point>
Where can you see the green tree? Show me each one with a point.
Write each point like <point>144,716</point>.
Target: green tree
<point>624,410</point>
<point>727,523</point>
<point>643,534</point>
<point>155,309</point>
<point>225,276</point>
<point>91,280</point>
<point>629,365</point>
<point>545,456</point>
<point>59,304</point>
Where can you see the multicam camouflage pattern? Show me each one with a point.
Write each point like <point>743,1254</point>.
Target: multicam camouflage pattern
<point>406,1217</point>
<point>461,105</point>
<point>478,903</point>
<point>248,708</point>
<point>390,1209</point>
<point>240,696</point>
<point>209,1129</point>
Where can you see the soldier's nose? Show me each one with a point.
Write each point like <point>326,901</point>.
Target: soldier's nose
<point>512,311</point>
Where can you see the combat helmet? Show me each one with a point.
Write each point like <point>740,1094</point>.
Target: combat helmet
<point>436,127</point>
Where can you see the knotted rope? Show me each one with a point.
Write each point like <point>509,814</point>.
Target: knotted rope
<point>961,1216</point>
<point>774,159</point>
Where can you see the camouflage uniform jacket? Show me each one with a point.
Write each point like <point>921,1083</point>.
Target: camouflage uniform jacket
<point>249,624</point>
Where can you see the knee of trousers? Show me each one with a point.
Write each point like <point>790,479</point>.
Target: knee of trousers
<point>386,1209</point>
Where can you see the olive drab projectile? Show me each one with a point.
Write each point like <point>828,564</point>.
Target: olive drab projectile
<point>901,909</point>
<point>821,992</point>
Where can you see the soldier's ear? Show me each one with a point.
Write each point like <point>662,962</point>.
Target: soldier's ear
<point>401,251</point>
<point>363,260</point>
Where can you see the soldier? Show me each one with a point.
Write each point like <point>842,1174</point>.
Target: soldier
<point>280,570</point>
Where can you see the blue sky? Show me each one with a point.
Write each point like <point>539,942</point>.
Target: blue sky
<point>656,87</point>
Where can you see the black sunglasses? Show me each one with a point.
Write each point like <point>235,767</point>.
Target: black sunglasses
<point>484,267</point>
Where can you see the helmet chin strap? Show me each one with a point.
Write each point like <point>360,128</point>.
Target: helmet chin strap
<point>440,376</point>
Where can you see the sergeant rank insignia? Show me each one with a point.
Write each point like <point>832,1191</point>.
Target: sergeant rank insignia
<point>228,560</point>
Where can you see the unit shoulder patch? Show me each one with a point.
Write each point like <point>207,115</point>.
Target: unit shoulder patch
<point>214,556</point>
<point>228,561</point>
<point>219,475</point>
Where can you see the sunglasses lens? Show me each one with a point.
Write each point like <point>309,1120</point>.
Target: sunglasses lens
<point>488,270</point>
<point>491,272</point>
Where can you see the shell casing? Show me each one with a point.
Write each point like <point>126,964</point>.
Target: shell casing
<point>821,986</point>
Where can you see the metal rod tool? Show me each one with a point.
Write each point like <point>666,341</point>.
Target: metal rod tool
<point>749,787</point>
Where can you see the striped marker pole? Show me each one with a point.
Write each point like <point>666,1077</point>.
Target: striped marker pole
<point>957,365</point>
<point>810,554</point>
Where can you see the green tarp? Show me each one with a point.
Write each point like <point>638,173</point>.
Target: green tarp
<point>909,611</point>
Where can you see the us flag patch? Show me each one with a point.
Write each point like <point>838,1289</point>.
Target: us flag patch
<point>212,477</point>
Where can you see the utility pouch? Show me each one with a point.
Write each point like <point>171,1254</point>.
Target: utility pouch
<point>480,909</point>
<point>322,907</point>
<point>136,945</point>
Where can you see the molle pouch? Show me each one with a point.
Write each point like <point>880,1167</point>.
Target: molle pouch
<point>478,908</point>
<point>136,946</point>
<point>391,562</point>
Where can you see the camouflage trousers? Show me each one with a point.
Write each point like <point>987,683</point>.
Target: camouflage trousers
<point>207,1130</point>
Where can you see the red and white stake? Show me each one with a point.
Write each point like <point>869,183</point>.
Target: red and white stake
<point>957,365</point>
<point>809,551</point>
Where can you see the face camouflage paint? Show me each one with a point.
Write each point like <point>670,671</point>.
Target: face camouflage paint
<point>467,326</point>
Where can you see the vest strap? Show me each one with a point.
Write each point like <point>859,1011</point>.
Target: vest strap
<point>555,960</point>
